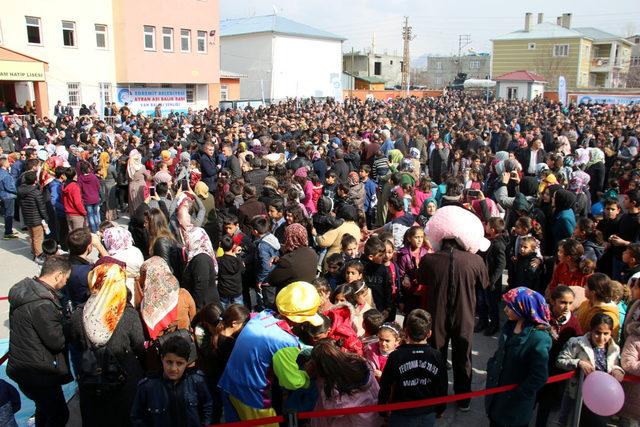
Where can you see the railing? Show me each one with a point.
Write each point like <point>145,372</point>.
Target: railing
<point>600,62</point>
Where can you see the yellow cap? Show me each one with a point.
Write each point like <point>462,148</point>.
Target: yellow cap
<point>299,303</point>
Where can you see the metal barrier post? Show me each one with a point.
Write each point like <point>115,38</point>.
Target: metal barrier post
<point>290,418</point>
<point>577,410</point>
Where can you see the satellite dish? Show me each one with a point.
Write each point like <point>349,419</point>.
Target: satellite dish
<point>212,33</point>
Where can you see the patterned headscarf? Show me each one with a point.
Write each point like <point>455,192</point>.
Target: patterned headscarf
<point>198,242</point>
<point>105,306</point>
<point>117,239</point>
<point>596,155</point>
<point>160,292</point>
<point>528,305</point>
<point>134,164</point>
<point>103,165</point>
<point>295,236</point>
<point>579,180</point>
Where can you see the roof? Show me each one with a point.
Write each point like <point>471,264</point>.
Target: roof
<point>272,24</point>
<point>599,35</point>
<point>12,55</point>
<point>521,76</point>
<point>368,79</point>
<point>545,30</point>
<point>231,75</point>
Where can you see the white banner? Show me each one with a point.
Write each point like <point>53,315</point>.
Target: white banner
<point>336,86</point>
<point>145,99</point>
<point>608,99</point>
<point>562,90</point>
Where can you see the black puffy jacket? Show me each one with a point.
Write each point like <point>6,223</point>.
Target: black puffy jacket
<point>32,206</point>
<point>37,346</point>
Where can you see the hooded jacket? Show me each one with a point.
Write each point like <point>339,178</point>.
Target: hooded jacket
<point>268,247</point>
<point>90,188</point>
<point>342,330</point>
<point>32,205</point>
<point>72,200</point>
<point>565,218</point>
<point>37,346</point>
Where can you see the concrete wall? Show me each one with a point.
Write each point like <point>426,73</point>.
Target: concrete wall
<point>389,94</point>
<point>439,76</point>
<point>249,55</point>
<point>233,88</point>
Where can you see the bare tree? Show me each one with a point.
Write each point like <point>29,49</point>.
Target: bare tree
<point>550,67</point>
<point>631,77</point>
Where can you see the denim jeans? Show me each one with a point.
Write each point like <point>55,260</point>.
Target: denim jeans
<point>9,210</point>
<point>421,420</point>
<point>93,217</point>
<point>227,301</point>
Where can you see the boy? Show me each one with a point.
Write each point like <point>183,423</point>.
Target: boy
<point>72,201</point>
<point>267,249</point>
<point>372,320</point>
<point>230,269</point>
<point>371,198</point>
<point>80,245</point>
<point>335,273</point>
<point>330,185</point>
<point>495,258</point>
<point>631,258</point>
<point>414,371</point>
<point>278,223</point>
<point>608,226</point>
<point>377,277</point>
<point>179,396</point>
<point>34,213</point>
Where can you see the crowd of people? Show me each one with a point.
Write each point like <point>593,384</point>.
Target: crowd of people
<point>236,264</point>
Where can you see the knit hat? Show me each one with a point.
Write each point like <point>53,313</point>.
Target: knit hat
<point>299,303</point>
<point>301,171</point>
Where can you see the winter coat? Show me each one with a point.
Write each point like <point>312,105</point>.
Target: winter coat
<point>199,278</point>
<point>563,225</point>
<point>378,278</point>
<point>342,330</point>
<point>37,348</point>
<point>90,188</point>
<point>209,171</point>
<point>250,208</point>
<point>580,349</point>
<point>32,205</point>
<point>332,238</point>
<point>7,185</point>
<point>72,200</point>
<point>267,248</point>
<point>407,267</point>
<point>630,361</point>
<point>157,396</point>
<point>496,260</point>
<point>592,250</point>
<point>358,194</point>
<point>55,191</point>
<point>521,359</point>
<point>299,264</point>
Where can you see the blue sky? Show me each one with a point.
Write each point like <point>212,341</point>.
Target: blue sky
<point>436,24</point>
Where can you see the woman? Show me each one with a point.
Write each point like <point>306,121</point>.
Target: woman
<point>106,323</point>
<point>522,358</point>
<point>299,262</point>
<point>202,192</point>
<point>162,242</point>
<point>332,238</point>
<point>119,243</point>
<point>564,222</point>
<point>199,276</point>
<point>429,208</point>
<point>186,211</point>
<point>107,172</point>
<point>596,170</point>
<point>90,188</point>
<point>164,306</point>
<point>137,175</point>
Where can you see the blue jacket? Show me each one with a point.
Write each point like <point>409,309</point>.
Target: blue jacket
<point>161,403</point>
<point>7,185</point>
<point>268,247</point>
<point>564,225</point>
<point>370,189</point>
<point>55,189</point>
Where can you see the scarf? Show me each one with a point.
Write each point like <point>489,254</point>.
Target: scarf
<point>596,156</point>
<point>579,180</point>
<point>528,305</point>
<point>105,306</point>
<point>103,165</point>
<point>295,236</point>
<point>160,292</point>
<point>117,239</point>
<point>134,164</point>
<point>197,243</point>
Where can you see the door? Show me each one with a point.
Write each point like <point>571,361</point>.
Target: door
<point>512,93</point>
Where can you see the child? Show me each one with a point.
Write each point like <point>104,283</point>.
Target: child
<point>631,258</point>
<point>334,274</point>
<point>322,286</point>
<point>409,256</point>
<point>341,294</point>
<point>372,320</point>
<point>630,358</point>
<point>391,265</point>
<point>377,278</point>
<point>34,213</point>
<point>526,271</point>
<point>594,351</point>
<point>353,271</point>
<point>371,198</point>
<point>599,294</point>
<point>267,250</point>
<point>377,353</point>
<point>568,270</point>
<point>50,248</point>
<point>495,258</point>
<point>358,299</point>
<point>323,220</point>
<point>9,404</point>
<point>230,269</point>
<point>591,239</point>
<point>349,246</point>
<point>621,296</point>
<point>426,379</point>
<point>184,390</point>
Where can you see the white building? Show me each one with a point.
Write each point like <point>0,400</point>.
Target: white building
<point>281,58</point>
<point>74,38</point>
<point>519,85</point>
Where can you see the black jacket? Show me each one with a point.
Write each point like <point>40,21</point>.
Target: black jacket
<point>299,264</point>
<point>32,206</point>
<point>172,253</point>
<point>199,279</point>
<point>496,260</point>
<point>209,171</point>
<point>256,178</point>
<point>378,279</point>
<point>37,346</point>
<point>230,269</point>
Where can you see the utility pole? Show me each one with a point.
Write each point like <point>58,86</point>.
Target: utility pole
<point>406,67</point>
<point>463,41</point>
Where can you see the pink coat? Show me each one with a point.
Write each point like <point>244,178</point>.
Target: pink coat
<point>309,203</point>
<point>630,362</point>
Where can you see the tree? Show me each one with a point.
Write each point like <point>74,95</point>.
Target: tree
<point>550,67</point>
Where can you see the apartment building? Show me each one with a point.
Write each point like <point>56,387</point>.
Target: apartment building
<point>380,66</point>
<point>441,70</point>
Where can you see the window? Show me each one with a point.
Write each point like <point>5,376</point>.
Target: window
<point>191,93</point>
<point>637,40</point>
<point>69,33</point>
<point>166,85</point>
<point>34,36</point>
<point>474,65</point>
<point>149,37</point>
<point>438,65</point>
<point>377,68</point>
<point>587,51</point>
<point>167,39</point>
<point>512,93</point>
<point>202,42</point>
<point>105,92</point>
<point>438,81</point>
<point>185,40</point>
<point>101,36</point>
<point>561,50</point>
<point>224,92</point>
<point>73,93</point>
<point>391,62</point>
<point>531,46</point>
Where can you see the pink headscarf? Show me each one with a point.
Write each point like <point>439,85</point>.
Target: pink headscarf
<point>117,239</point>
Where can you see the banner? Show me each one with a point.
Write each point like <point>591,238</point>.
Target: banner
<point>608,99</point>
<point>22,70</point>
<point>336,86</point>
<point>562,90</point>
<point>145,99</point>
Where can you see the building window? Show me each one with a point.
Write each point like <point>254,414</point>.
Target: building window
<point>202,42</point>
<point>105,92</point>
<point>531,46</point>
<point>149,37</point>
<point>391,62</point>
<point>438,80</point>
<point>185,40</point>
<point>561,50</point>
<point>637,40</point>
<point>34,35</point>
<point>69,33</point>
<point>439,65</point>
<point>165,85</point>
<point>167,39</point>
<point>101,36</point>
<point>474,65</point>
<point>635,62</point>
<point>191,92</point>
<point>224,92</point>
<point>377,68</point>
<point>73,93</point>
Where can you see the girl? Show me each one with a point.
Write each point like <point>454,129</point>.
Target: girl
<point>359,298</point>
<point>421,193</point>
<point>594,351</point>
<point>377,353</point>
<point>568,270</point>
<point>522,358</point>
<point>341,293</point>
<point>592,242</point>
<point>324,290</point>
<point>599,294</point>
<point>630,358</point>
<point>409,257</point>
<point>343,380</point>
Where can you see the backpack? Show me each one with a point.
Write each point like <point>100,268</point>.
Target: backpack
<point>101,373</point>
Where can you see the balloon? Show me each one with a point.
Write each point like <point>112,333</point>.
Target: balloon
<point>602,394</point>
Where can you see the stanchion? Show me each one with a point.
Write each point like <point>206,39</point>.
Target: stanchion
<point>577,410</point>
<point>291,418</point>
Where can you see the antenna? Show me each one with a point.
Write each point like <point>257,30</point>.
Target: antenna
<point>275,9</point>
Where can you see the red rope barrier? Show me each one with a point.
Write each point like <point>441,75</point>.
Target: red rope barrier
<point>4,358</point>
<point>4,298</point>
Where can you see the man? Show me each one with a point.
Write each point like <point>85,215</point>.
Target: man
<point>197,135</point>
<point>7,144</point>
<point>8,194</point>
<point>438,158</point>
<point>530,157</point>
<point>340,167</point>
<point>25,135</point>
<point>257,174</point>
<point>108,110</point>
<point>250,208</point>
<point>628,231</point>
<point>34,213</point>
<point>58,111</point>
<point>37,349</point>
<point>231,163</point>
<point>208,166</point>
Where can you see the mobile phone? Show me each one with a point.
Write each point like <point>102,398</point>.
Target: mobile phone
<point>152,191</point>
<point>184,184</point>
<point>473,193</point>
<point>514,174</point>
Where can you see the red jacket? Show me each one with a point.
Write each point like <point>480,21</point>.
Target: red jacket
<point>341,329</point>
<point>72,200</point>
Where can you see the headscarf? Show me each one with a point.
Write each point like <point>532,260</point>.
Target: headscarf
<point>48,171</point>
<point>103,165</point>
<point>579,180</point>
<point>295,236</point>
<point>201,190</point>
<point>548,181</point>
<point>117,239</point>
<point>563,145</point>
<point>395,156</point>
<point>596,155</point>
<point>198,242</point>
<point>501,156</point>
<point>564,199</point>
<point>160,292</point>
<point>414,153</point>
<point>529,186</point>
<point>529,305</point>
<point>105,306</point>
<point>353,179</point>
<point>134,164</point>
